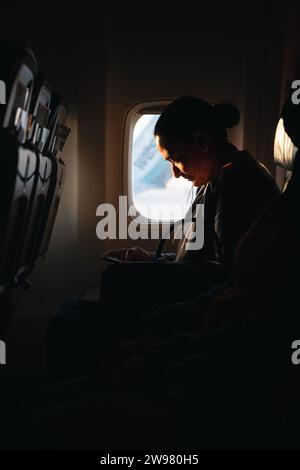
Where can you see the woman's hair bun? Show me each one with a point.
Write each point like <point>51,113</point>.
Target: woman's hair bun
<point>227,114</point>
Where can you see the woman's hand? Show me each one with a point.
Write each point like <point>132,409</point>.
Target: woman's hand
<point>131,254</point>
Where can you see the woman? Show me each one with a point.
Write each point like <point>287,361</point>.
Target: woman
<point>266,253</point>
<point>191,134</point>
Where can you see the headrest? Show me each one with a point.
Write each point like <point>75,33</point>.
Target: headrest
<point>287,137</point>
<point>18,68</point>
<point>284,149</point>
<point>39,113</point>
<point>59,132</point>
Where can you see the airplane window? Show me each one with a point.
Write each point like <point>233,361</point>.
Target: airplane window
<point>156,193</point>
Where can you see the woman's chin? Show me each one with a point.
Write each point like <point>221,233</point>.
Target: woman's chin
<point>195,181</point>
<point>190,179</point>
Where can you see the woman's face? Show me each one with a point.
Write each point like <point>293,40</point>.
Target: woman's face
<point>194,161</point>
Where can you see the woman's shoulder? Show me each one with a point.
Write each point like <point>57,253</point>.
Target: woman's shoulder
<point>243,172</point>
<point>232,172</point>
<point>244,165</point>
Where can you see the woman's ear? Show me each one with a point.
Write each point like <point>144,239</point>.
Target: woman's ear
<point>201,139</point>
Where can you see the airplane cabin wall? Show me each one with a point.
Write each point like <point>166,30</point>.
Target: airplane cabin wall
<point>102,65</point>
<point>218,52</point>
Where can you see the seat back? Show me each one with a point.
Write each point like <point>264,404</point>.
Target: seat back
<point>37,137</point>
<point>55,143</point>
<point>18,69</point>
<point>18,162</point>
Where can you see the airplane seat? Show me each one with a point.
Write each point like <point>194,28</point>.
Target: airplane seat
<point>18,68</point>
<point>265,297</point>
<point>58,135</point>
<point>18,71</point>
<point>38,134</point>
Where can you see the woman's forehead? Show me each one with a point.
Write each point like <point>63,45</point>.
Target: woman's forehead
<point>171,145</point>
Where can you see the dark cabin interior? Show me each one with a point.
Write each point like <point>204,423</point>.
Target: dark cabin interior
<point>171,354</point>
